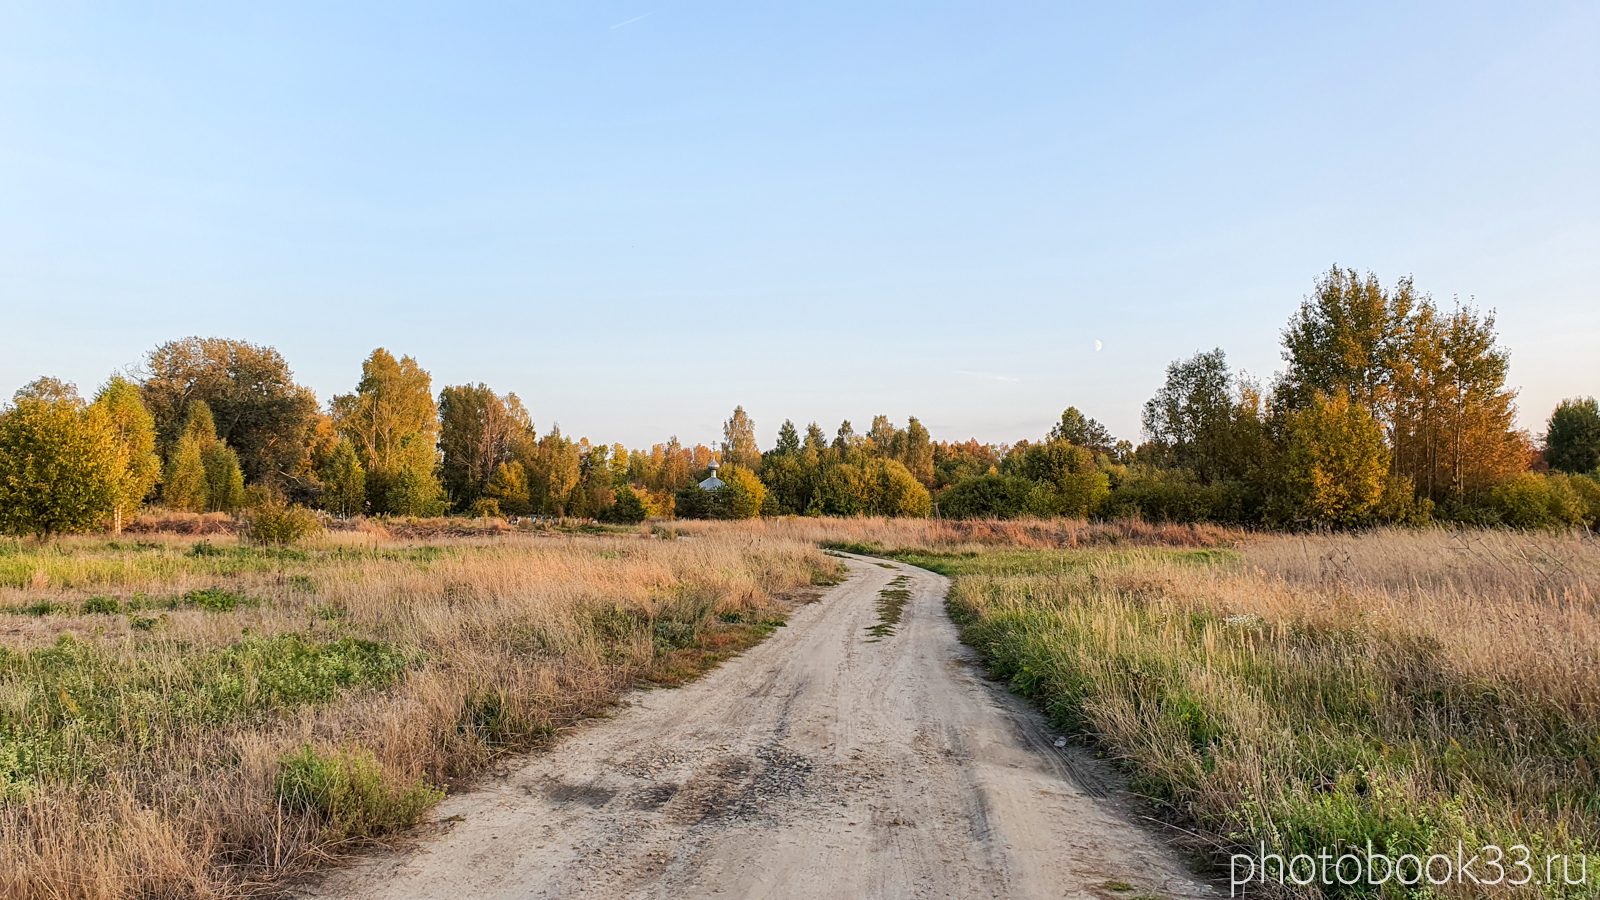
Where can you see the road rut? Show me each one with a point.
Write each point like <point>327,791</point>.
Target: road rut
<point>829,762</point>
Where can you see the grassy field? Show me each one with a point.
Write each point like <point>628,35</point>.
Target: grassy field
<point>193,717</point>
<point>1411,688</point>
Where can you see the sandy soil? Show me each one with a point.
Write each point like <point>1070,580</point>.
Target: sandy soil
<point>826,762</point>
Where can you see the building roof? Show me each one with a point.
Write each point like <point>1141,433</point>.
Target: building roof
<point>712,483</point>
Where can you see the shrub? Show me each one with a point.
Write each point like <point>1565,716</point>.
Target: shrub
<point>1171,495</point>
<point>276,523</point>
<point>1531,500</point>
<point>899,494</point>
<point>626,507</point>
<point>485,508</point>
<point>740,496</point>
<point>216,599</point>
<point>102,606</point>
<point>692,502</point>
<point>349,792</point>
<point>988,497</point>
<point>1587,487</point>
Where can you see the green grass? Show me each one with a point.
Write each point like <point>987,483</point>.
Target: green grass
<point>349,793</point>
<point>892,602</point>
<point>71,710</point>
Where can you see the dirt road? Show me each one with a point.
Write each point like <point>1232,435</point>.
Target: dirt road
<point>829,762</point>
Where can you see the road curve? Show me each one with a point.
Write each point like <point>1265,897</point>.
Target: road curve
<point>828,762</point>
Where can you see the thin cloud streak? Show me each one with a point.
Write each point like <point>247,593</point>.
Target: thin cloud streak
<point>630,21</point>
<point>988,376</point>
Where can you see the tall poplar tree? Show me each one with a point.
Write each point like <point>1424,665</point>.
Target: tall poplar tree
<point>133,430</point>
<point>739,441</point>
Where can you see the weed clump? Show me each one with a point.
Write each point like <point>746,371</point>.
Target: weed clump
<point>102,606</point>
<point>348,791</point>
<point>217,599</point>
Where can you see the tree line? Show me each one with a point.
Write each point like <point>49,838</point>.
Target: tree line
<point>1389,409</point>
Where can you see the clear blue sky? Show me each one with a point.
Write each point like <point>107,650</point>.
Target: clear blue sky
<point>636,215</point>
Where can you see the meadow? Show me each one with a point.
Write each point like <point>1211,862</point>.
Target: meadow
<point>1412,688</point>
<point>187,716</point>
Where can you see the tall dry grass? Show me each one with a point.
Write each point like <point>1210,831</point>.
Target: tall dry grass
<point>145,754</point>
<point>1408,687</point>
<point>957,535</point>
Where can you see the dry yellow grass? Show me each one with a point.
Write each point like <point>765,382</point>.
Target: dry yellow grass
<point>1413,688</point>
<point>149,761</point>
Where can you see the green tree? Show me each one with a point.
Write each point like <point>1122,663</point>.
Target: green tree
<point>988,497</point>
<point>224,480</point>
<point>1079,429</point>
<point>1074,486</point>
<point>739,441</point>
<point>345,481</point>
<point>692,502</point>
<point>509,488</point>
<point>393,424</point>
<point>741,495</point>
<point>1336,462</point>
<point>478,431</point>
<point>554,467</point>
<point>789,481</point>
<point>882,437</point>
<point>898,493</point>
<point>133,430</point>
<point>185,486</point>
<point>60,465</point>
<point>1190,411</point>
<point>627,509</point>
<point>918,453</point>
<point>788,440</point>
<point>843,490</point>
<point>258,408</point>
<point>221,488</point>
<point>1347,337</point>
<point>1572,436</point>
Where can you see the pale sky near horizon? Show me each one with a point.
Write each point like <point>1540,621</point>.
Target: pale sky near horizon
<point>637,215</point>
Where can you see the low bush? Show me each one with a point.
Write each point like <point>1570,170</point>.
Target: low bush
<point>216,599</point>
<point>278,524</point>
<point>1169,495</point>
<point>349,792</point>
<point>102,606</point>
<point>1532,500</point>
<point>485,508</point>
<point>987,497</point>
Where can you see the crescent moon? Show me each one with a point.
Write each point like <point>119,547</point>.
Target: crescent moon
<point>1097,346</point>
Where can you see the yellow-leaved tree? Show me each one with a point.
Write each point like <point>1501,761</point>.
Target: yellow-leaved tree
<point>1336,463</point>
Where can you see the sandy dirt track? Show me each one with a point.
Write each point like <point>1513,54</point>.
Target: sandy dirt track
<point>822,763</point>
